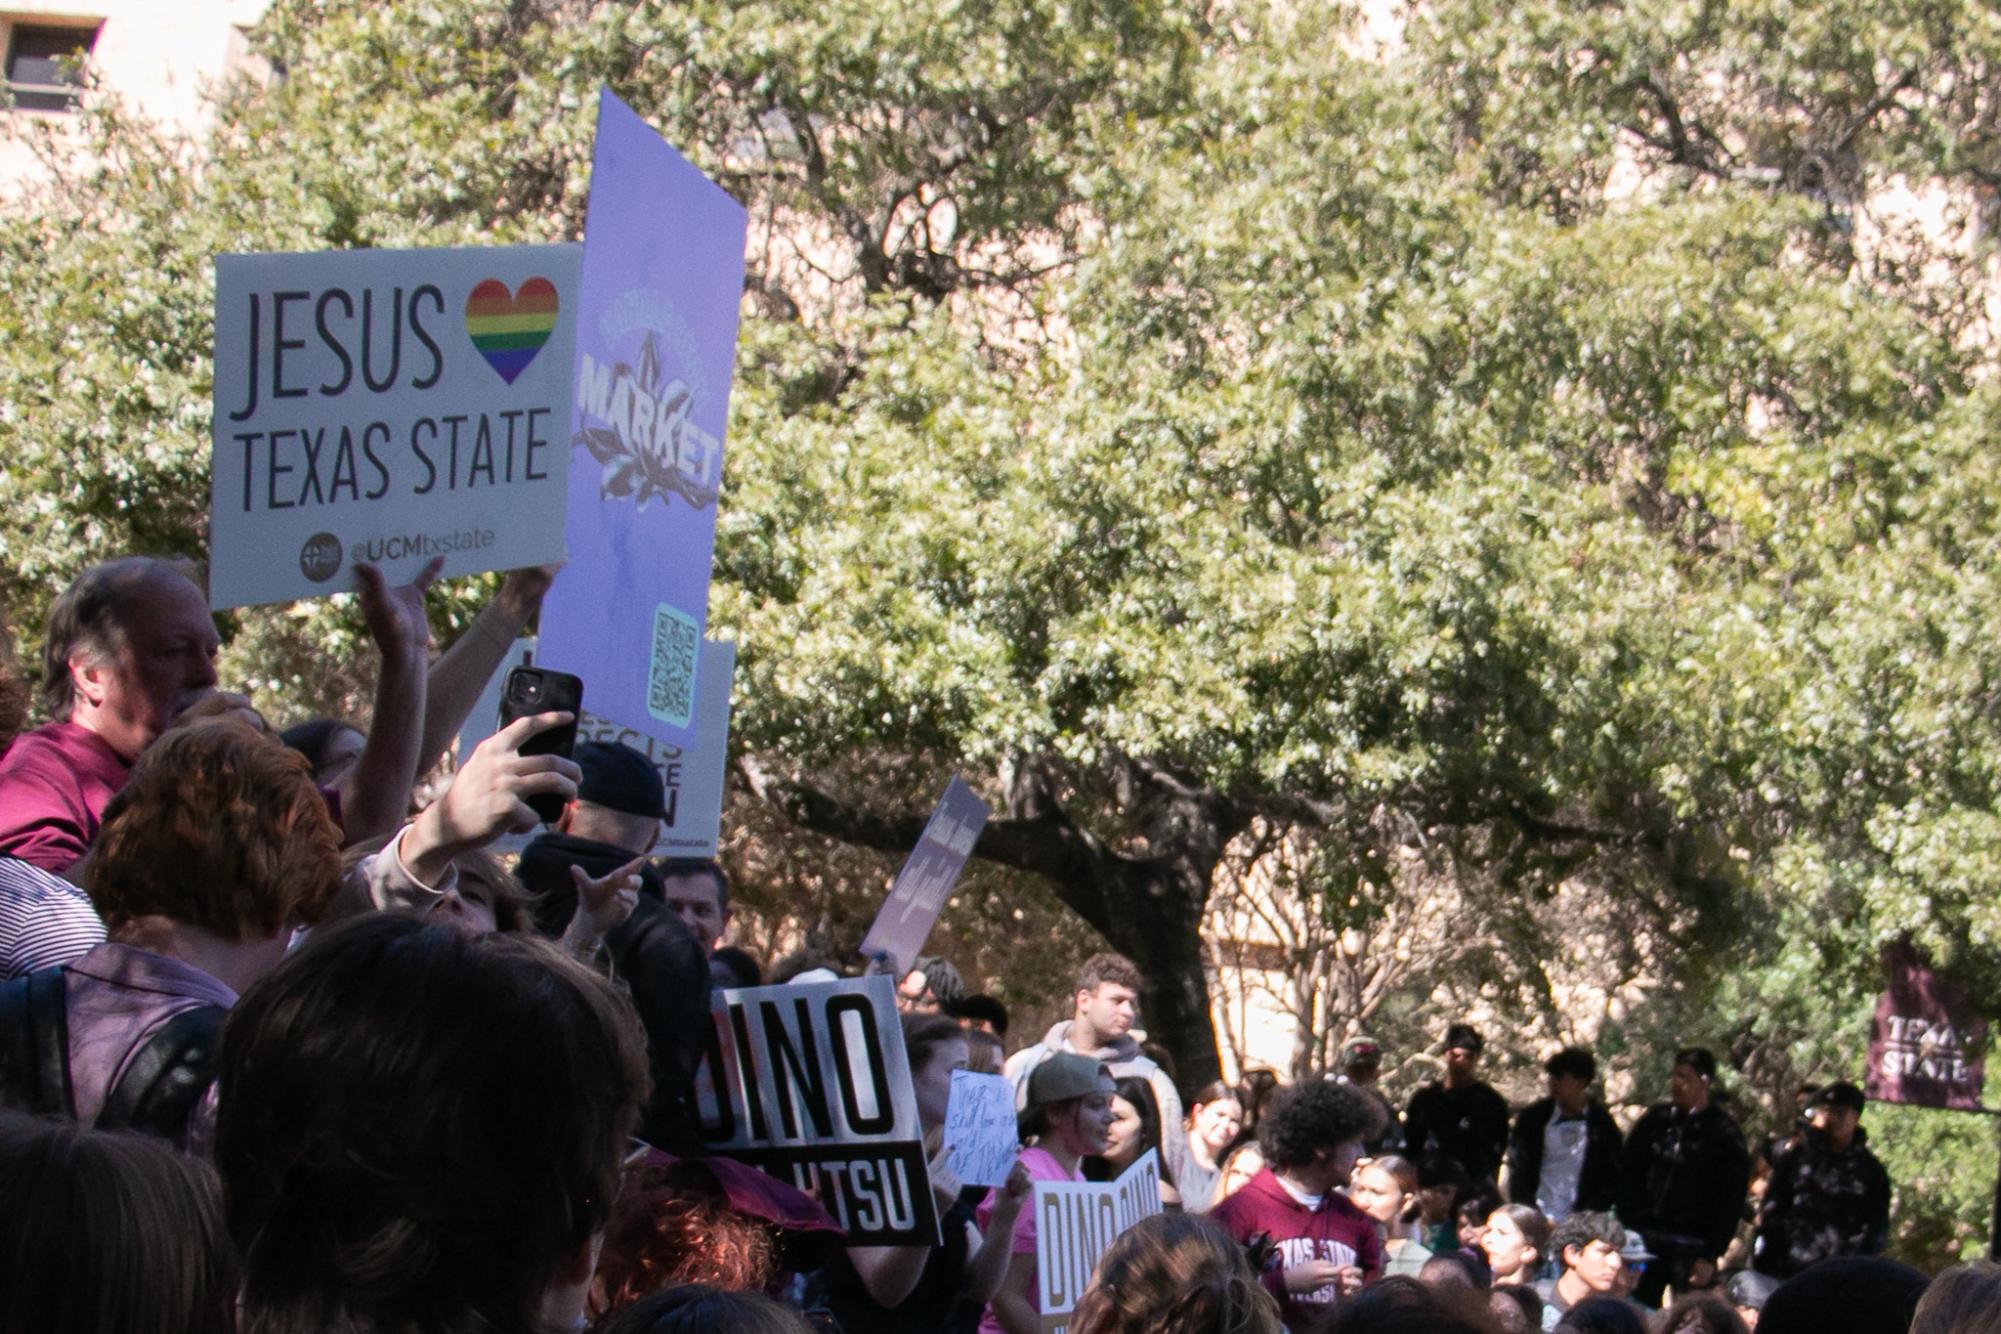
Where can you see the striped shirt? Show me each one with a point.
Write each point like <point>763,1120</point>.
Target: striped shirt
<point>44,920</point>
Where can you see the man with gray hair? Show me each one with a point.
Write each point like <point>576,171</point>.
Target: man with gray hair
<point>130,652</point>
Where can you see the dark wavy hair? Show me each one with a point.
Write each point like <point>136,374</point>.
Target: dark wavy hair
<point>108,1232</point>
<point>421,1128</point>
<point>1175,1274</point>
<point>1136,1090</point>
<point>942,976</point>
<point>697,1308</point>
<point>1573,1061</point>
<point>1313,1115</point>
<point>1580,1230</point>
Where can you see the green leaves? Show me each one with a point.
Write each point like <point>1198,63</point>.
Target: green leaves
<point>1544,455</point>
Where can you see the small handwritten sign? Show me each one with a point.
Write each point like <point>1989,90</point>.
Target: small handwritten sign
<point>980,1126</point>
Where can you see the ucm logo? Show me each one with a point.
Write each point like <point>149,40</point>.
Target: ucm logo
<point>319,559</point>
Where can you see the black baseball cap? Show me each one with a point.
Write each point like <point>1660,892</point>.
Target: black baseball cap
<point>1463,1035</point>
<point>1749,1288</point>
<point>619,778</point>
<point>1840,1093</point>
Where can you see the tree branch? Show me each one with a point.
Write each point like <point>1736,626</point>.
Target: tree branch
<point>1874,108</point>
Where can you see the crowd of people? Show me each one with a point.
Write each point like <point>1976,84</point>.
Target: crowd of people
<point>285,1049</point>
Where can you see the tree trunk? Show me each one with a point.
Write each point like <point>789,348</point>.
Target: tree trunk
<point>1156,921</point>
<point>1147,908</point>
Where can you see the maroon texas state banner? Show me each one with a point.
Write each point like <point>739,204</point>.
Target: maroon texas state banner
<point>1928,1044</point>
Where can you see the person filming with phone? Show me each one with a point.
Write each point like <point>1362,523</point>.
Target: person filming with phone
<point>614,817</point>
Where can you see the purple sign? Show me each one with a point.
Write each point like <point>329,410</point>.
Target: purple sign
<point>1928,1043</point>
<point>656,342</point>
<point>925,882</point>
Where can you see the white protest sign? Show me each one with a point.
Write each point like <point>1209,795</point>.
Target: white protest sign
<point>905,920</point>
<point>388,406</point>
<point>692,823</point>
<point>980,1128</point>
<point>811,1084</point>
<point>1075,1222</point>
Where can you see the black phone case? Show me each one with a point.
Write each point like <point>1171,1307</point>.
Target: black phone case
<point>561,692</point>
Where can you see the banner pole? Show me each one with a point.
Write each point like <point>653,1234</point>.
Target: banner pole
<point>1994,1232</point>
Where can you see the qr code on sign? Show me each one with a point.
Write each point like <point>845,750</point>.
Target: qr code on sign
<point>670,681</point>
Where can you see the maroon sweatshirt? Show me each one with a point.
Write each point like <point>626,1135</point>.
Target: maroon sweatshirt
<point>54,785</point>
<point>1337,1232</point>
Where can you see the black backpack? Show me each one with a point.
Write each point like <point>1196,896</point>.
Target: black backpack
<point>162,1083</point>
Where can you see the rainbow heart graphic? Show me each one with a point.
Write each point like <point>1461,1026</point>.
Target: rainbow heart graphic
<point>510,330</point>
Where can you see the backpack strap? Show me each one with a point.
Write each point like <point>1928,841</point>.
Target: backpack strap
<point>167,1077</point>
<point>34,1044</point>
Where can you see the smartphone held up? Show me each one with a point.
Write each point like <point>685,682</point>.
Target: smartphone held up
<point>533,690</point>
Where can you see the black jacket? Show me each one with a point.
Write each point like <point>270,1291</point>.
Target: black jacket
<point>662,965</point>
<point>1685,1177</point>
<point>666,970</point>
<point>1469,1124</point>
<point>1604,1153</point>
<point>544,871</point>
<point>1822,1203</point>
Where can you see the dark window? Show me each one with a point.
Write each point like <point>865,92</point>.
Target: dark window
<point>41,65</point>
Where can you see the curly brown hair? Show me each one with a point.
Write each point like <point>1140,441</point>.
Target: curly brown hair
<point>219,828</point>
<point>1314,1115</point>
<point>665,1230</point>
<point>1106,967</point>
<point>1175,1274</point>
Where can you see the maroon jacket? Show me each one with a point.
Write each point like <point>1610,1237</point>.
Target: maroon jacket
<point>1337,1232</point>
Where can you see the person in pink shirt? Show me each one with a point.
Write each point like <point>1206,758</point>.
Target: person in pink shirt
<point>1067,1118</point>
